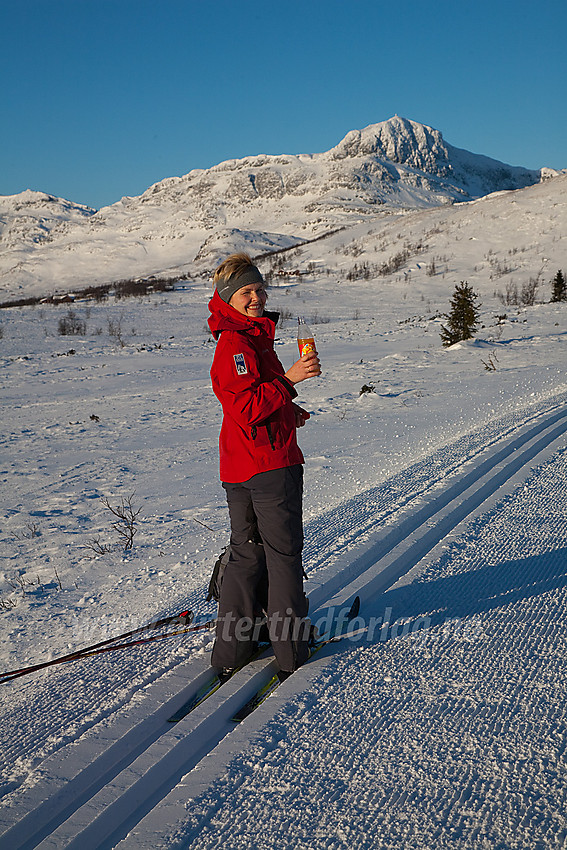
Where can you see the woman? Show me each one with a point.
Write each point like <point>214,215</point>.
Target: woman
<point>262,473</point>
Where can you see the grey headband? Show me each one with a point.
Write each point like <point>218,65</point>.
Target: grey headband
<point>227,287</point>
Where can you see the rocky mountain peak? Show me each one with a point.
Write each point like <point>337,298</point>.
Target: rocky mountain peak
<point>397,140</point>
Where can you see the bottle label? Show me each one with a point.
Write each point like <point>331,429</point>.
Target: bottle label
<point>306,346</point>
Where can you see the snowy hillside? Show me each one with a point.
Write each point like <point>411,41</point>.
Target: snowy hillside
<point>183,225</point>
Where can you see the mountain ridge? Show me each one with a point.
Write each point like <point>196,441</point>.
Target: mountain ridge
<point>184,225</point>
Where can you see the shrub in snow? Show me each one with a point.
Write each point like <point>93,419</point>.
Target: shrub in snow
<point>462,320</point>
<point>490,363</point>
<point>115,330</point>
<point>367,388</point>
<point>529,292</point>
<point>125,520</point>
<point>71,325</point>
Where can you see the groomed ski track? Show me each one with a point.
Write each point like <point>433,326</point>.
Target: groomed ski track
<point>130,773</point>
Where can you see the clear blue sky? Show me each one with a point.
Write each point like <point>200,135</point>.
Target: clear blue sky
<point>102,98</point>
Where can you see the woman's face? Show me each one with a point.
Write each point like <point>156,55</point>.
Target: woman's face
<point>250,300</point>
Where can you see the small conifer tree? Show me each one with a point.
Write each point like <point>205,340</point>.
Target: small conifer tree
<point>462,320</point>
<point>559,287</point>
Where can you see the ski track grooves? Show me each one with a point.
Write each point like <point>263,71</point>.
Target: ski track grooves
<point>97,808</point>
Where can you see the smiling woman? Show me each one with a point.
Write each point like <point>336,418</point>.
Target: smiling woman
<point>262,473</point>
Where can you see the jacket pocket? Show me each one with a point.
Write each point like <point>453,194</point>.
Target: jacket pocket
<point>266,436</point>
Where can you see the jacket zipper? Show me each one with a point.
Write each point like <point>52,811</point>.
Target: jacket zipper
<point>270,436</point>
<point>254,434</point>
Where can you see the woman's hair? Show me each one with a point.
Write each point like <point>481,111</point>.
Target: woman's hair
<point>235,265</point>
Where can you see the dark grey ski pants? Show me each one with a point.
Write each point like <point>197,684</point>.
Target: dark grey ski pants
<point>268,507</point>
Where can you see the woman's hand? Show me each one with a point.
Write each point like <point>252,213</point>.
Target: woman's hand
<point>301,416</point>
<point>308,366</point>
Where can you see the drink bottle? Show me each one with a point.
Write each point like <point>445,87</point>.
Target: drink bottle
<point>305,338</point>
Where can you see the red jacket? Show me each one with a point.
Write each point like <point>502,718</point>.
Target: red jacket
<point>258,430</point>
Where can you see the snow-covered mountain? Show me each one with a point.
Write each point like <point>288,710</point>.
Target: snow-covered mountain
<point>31,218</point>
<point>183,225</point>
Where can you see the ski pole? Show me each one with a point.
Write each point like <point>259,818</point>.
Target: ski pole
<point>184,616</point>
<point>200,627</point>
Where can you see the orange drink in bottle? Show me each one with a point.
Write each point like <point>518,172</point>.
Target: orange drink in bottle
<point>305,338</point>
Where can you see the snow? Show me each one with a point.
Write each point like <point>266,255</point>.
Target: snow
<point>438,496</point>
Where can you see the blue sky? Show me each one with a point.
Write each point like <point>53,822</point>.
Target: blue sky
<point>102,98</point>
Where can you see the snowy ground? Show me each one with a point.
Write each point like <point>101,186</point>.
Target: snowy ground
<point>440,495</point>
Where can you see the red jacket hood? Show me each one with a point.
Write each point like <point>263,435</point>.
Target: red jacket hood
<point>225,318</point>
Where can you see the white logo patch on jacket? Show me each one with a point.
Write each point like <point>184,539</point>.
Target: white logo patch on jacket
<point>240,364</point>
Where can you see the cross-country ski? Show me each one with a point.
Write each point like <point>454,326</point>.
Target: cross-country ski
<point>337,632</point>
